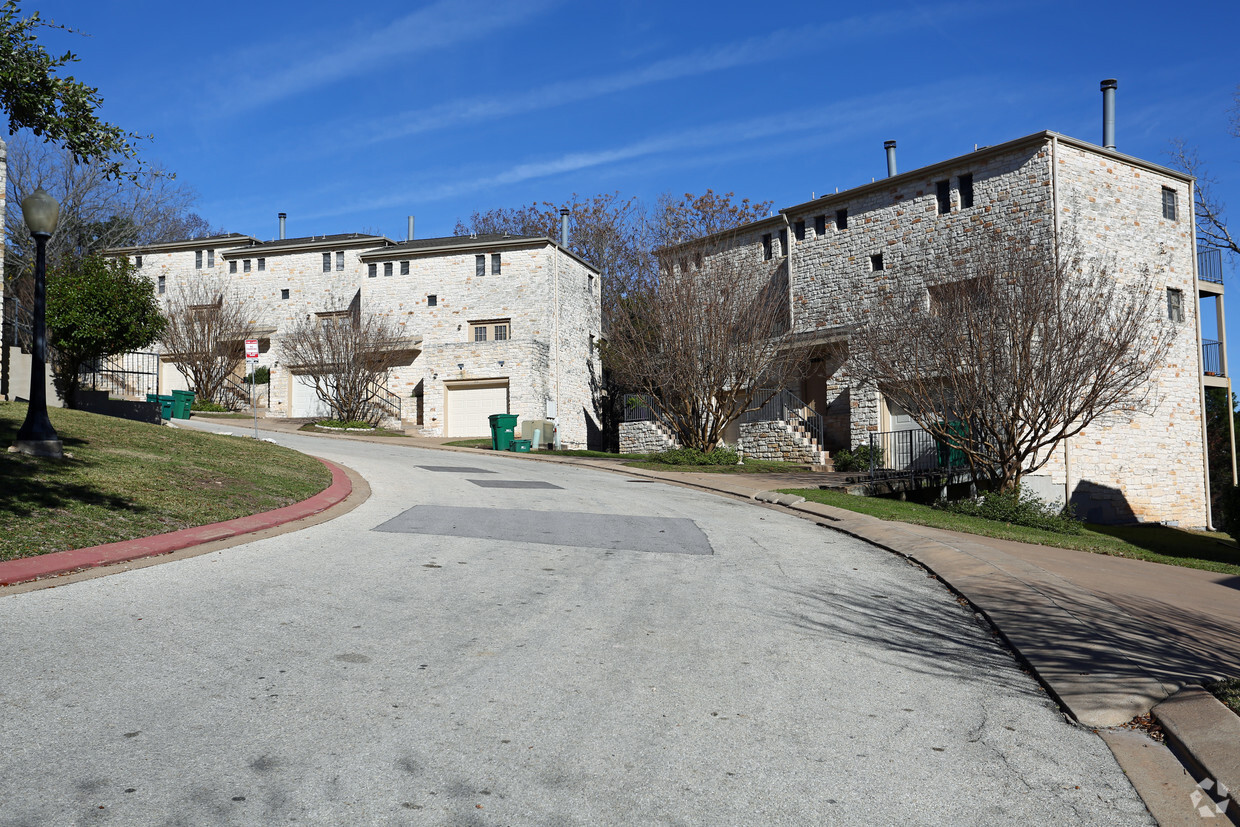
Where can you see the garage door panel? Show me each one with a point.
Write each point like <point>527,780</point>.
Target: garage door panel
<point>469,408</point>
<point>306,403</point>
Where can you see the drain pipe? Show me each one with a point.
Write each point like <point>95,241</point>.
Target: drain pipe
<point>890,146</point>
<point>282,217</point>
<point>1108,112</point>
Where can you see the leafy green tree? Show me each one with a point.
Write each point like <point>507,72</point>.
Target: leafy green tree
<point>97,307</point>
<point>58,109</point>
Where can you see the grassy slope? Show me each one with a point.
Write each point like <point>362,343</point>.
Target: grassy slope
<point>129,479</point>
<point>1160,544</point>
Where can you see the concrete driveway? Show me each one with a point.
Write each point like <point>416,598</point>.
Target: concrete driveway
<point>487,641</point>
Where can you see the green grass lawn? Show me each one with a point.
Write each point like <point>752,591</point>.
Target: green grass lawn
<point>310,427</point>
<point>130,479</point>
<point>1212,551</point>
<point>751,466</point>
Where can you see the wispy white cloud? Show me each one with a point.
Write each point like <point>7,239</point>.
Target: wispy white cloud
<point>440,25</point>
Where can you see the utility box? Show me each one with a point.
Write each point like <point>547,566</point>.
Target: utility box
<point>545,426</point>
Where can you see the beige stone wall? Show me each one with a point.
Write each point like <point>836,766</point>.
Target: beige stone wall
<point>645,438</point>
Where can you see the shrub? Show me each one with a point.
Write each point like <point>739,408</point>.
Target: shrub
<point>260,376</point>
<point>692,456</point>
<point>1229,509</point>
<point>1017,507</point>
<point>352,423</point>
<point>207,407</point>
<point>857,459</point>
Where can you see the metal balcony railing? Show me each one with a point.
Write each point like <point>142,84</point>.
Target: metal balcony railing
<point>785,406</point>
<point>1210,265</point>
<point>1211,358</point>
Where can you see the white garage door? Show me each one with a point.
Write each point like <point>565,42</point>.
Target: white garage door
<point>469,406</point>
<point>306,403</point>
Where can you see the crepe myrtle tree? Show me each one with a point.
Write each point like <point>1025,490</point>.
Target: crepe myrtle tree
<point>1011,349</point>
<point>205,337</point>
<point>701,338</point>
<point>347,355</point>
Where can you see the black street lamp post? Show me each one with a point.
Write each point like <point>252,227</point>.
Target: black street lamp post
<point>37,437</point>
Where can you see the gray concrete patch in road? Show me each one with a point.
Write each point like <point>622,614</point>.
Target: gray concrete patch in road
<point>618,532</point>
<point>515,484</point>
<point>454,469</point>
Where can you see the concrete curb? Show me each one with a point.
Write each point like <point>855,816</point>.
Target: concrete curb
<point>1206,736</point>
<point>63,562</point>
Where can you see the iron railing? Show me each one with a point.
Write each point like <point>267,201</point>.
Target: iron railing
<point>640,407</point>
<point>1210,265</point>
<point>233,393</point>
<point>131,374</point>
<point>785,406</point>
<point>1212,358</point>
<point>909,453</point>
<point>383,402</point>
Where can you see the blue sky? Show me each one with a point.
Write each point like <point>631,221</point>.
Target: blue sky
<point>353,116</point>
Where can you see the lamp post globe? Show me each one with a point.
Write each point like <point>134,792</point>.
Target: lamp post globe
<point>37,437</point>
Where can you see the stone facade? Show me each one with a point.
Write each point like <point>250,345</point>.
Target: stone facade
<point>546,299</point>
<point>1052,190</point>
<point>778,441</point>
<point>645,438</point>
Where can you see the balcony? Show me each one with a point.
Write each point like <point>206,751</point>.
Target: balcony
<point>1210,271</point>
<point>1212,363</point>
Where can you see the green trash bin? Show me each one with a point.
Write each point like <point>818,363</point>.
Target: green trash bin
<point>521,446</point>
<point>152,397</point>
<point>182,403</point>
<point>502,426</point>
<point>165,403</point>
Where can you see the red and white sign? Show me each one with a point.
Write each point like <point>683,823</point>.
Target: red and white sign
<point>251,348</point>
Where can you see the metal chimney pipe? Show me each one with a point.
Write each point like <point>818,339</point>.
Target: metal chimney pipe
<point>890,146</point>
<point>409,236</point>
<point>564,227</point>
<point>282,217</point>
<point>1108,112</point>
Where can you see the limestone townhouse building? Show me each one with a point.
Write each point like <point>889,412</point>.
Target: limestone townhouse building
<point>491,323</point>
<point>836,250</point>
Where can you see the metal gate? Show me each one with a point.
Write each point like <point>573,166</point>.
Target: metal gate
<point>126,374</point>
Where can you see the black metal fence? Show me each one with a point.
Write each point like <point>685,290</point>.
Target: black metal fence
<point>785,406</point>
<point>1211,358</point>
<point>127,374</point>
<point>1210,265</point>
<point>639,408</point>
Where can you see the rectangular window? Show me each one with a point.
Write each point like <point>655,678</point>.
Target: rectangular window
<point>163,284</point>
<point>327,262</point>
<point>340,259</point>
<point>432,300</point>
<point>783,242</point>
<point>841,219</point>
<point>245,266</point>
<point>876,262</point>
<point>820,225</point>
<point>262,264</point>
<point>495,264</point>
<point>767,255</point>
<point>232,266</point>
<point>137,261</point>
<point>799,229</point>
<point>372,270</point>
<point>387,268</point>
<point>966,190</point>
<point>404,268</point>
<point>501,333</point>
<point>1168,203</point>
<point>480,265</point>
<point>498,330</point>
<point>198,259</point>
<point>1175,304</point>
<point>480,333</point>
<point>284,294</point>
<point>210,258</point>
<point>943,194</point>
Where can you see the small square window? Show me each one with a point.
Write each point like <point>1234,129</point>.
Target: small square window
<point>404,268</point>
<point>1168,203</point>
<point>372,270</point>
<point>432,300</point>
<point>163,284</point>
<point>820,225</point>
<point>480,333</point>
<point>210,258</point>
<point>387,268</point>
<point>841,219</point>
<point>232,266</point>
<point>943,195</point>
<point>876,262</point>
<point>245,266</point>
<point>966,190</point>
<point>480,265</point>
<point>262,264</point>
<point>1175,304</point>
<point>495,264</point>
<point>137,261</point>
<point>284,294</point>
<point>501,333</point>
<point>799,229</point>
<point>327,262</point>
<point>767,255</point>
<point>198,259</point>
<point>340,259</point>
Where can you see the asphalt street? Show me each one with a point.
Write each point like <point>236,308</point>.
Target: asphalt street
<point>492,641</point>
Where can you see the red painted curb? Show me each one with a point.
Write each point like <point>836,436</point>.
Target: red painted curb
<point>63,562</point>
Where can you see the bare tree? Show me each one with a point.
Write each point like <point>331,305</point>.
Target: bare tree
<point>703,337</point>
<point>1009,351</point>
<point>1208,209</point>
<point>347,354</point>
<point>205,337</point>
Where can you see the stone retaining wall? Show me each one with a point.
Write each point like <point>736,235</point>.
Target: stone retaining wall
<point>645,438</point>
